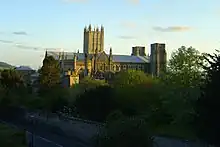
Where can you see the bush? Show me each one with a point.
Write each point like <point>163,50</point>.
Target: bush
<point>96,104</point>
<point>10,137</point>
<point>127,132</point>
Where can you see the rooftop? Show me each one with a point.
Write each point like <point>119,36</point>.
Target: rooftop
<point>116,58</point>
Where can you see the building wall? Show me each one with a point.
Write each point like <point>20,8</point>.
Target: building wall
<point>158,58</point>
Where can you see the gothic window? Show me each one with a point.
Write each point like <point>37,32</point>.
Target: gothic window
<point>139,67</point>
<point>113,67</point>
<point>124,66</point>
<point>117,68</point>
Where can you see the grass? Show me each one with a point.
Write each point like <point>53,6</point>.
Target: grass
<point>175,131</point>
<point>11,137</point>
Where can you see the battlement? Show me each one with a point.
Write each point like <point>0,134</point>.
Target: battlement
<point>94,29</point>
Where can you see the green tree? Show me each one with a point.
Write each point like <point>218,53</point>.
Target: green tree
<point>11,79</point>
<point>184,76</point>
<point>11,137</point>
<point>88,82</point>
<point>131,78</point>
<point>126,132</point>
<point>207,119</point>
<point>49,73</point>
<point>185,67</point>
<point>96,103</point>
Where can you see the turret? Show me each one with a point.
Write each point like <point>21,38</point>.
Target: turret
<point>102,28</point>
<point>86,65</point>
<point>110,59</point>
<point>97,29</point>
<point>74,62</point>
<point>46,54</point>
<point>110,52</point>
<point>95,59</point>
<point>85,29</point>
<point>90,27</point>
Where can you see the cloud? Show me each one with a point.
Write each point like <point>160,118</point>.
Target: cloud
<point>20,33</point>
<point>6,41</point>
<point>129,24</point>
<point>26,47</point>
<point>172,29</point>
<point>126,37</point>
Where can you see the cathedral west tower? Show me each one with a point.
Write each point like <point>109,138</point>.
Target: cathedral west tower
<point>93,40</point>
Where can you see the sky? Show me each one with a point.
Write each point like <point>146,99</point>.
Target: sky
<point>28,27</point>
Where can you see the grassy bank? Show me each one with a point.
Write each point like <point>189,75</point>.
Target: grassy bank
<point>175,131</point>
<point>11,137</point>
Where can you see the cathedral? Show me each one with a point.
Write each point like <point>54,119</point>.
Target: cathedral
<point>95,62</point>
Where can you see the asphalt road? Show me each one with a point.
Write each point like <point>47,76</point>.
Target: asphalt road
<point>44,138</point>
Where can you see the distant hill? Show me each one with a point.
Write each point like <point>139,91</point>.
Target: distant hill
<point>4,65</point>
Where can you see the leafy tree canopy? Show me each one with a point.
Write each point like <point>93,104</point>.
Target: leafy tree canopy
<point>131,78</point>
<point>88,82</point>
<point>126,132</point>
<point>50,73</point>
<point>185,66</point>
<point>11,79</point>
<point>208,105</point>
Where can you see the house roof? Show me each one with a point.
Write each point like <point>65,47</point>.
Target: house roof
<point>23,68</point>
<point>116,58</point>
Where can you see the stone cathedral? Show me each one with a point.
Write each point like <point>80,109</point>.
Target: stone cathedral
<point>95,62</point>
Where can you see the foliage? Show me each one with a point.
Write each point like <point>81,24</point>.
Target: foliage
<point>10,137</point>
<point>126,132</point>
<point>49,73</point>
<point>114,115</point>
<point>95,104</point>
<point>131,78</point>
<point>185,67</point>
<point>11,79</point>
<point>183,78</point>
<point>88,82</point>
<point>207,120</point>
<point>55,99</point>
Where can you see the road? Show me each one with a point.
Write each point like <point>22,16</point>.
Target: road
<point>44,138</point>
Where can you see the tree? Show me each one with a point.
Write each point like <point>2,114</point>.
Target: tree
<point>11,79</point>
<point>131,78</point>
<point>183,78</point>
<point>96,103</point>
<point>186,66</point>
<point>207,119</point>
<point>88,82</point>
<point>49,73</point>
<point>126,132</point>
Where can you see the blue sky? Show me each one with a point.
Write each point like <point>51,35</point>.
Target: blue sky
<point>29,26</point>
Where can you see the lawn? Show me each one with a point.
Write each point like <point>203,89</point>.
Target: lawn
<point>175,131</point>
<point>11,137</point>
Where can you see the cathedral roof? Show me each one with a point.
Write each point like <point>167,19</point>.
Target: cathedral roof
<point>130,59</point>
<point>116,58</point>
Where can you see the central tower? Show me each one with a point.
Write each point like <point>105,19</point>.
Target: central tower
<point>93,39</point>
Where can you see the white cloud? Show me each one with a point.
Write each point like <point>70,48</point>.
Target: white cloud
<point>172,29</point>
